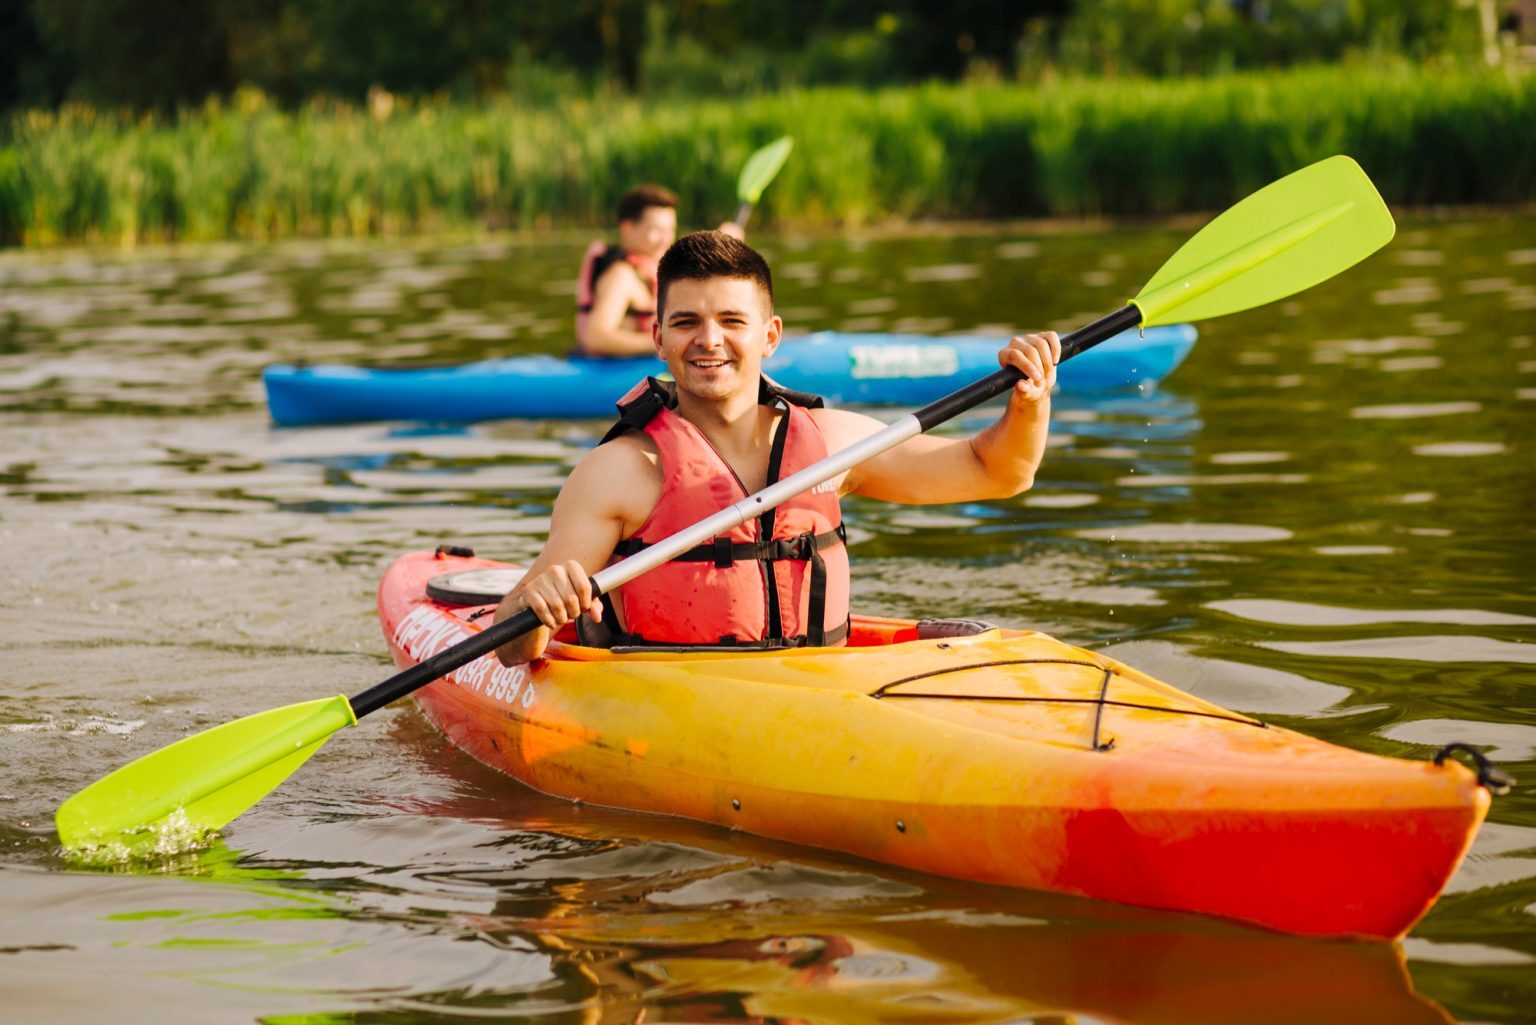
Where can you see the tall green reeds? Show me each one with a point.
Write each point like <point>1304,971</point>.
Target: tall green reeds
<point>1075,147</point>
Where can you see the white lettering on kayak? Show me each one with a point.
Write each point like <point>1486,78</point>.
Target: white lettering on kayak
<point>874,362</point>
<point>425,632</point>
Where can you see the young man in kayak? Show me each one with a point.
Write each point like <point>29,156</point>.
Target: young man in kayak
<point>616,288</point>
<point>720,431</point>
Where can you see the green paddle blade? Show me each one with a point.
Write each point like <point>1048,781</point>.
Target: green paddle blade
<point>761,168</point>
<point>202,782</point>
<point>1288,236</point>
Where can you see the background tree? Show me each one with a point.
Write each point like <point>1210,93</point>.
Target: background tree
<point>159,54</point>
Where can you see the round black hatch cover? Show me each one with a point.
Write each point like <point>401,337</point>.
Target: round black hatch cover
<point>473,586</point>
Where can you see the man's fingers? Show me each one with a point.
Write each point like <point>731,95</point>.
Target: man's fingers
<point>1035,356</point>
<point>541,607</point>
<point>579,596</point>
<point>561,594</point>
<point>1052,345</point>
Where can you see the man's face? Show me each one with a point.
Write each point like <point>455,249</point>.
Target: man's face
<point>715,334</point>
<point>649,236</point>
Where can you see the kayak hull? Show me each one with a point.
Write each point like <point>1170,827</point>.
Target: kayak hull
<point>853,369</point>
<point>1006,757</point>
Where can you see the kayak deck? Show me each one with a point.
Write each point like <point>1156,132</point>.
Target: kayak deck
<point>1005,757</point>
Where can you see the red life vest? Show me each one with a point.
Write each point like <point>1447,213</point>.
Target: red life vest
<point>778,581</point>
<point>598,258</point>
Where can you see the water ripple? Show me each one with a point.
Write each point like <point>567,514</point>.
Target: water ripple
<point>1512,742</point>
<point>1461,448</point>
<point>782,883</point>
<point>1408,411</point>
<point>1295,613</point>
<point>1187,533</point>
<point>1430,648</point>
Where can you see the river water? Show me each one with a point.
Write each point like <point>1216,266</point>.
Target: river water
<point>1324,519</point>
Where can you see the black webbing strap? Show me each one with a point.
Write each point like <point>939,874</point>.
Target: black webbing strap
<point>607,258</point>
<point>722,551</point>
<point>775,625</point>
<point>635,414</point>
<point>661,395</point>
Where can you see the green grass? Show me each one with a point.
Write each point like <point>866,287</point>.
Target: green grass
<point>244,169</point>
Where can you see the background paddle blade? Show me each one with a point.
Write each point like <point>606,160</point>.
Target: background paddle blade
<point>761,168</point>
<point>1288,236</point>
<point>202,782</point>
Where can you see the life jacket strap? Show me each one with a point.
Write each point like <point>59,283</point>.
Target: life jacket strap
<point>722,551</point>
<point>657,395</point>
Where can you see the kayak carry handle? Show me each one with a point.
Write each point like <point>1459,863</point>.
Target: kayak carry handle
<point>1494,779</point>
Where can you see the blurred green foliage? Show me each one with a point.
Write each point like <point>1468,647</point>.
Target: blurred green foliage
<point>249,168</point>
<point>160,54</point>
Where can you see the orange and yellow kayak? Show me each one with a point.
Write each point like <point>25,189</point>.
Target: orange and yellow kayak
<point>1004,757</point>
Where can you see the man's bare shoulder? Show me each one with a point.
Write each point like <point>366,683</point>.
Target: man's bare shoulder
<point>841,427</point>
<point>621,478</point>
<point>631,454</point>
<point>619,274</point>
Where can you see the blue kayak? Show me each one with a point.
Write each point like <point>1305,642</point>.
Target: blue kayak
<point>847,369</point>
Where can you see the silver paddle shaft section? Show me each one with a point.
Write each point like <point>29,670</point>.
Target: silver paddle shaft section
<point>754,505</point>
<point>605,580</point>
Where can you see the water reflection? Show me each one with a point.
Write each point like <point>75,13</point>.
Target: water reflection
<point>610,941</point>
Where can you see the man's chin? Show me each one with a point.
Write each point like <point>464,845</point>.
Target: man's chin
<point>711,384</point>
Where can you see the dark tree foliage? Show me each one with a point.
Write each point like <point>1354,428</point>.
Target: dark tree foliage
<point>930,40</point>
<point>942,39</point>
<point>158,54</point>
<point>32,69</point>
<point>138,53</point>
<point>297,48</point>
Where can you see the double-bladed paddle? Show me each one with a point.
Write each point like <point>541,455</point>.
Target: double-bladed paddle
<point>760,169</point>
<point>1288,236</point>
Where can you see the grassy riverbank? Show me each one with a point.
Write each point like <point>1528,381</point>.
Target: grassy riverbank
<point>1069,148</point>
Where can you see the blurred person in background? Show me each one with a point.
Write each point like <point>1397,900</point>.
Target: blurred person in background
<point>616,289</point>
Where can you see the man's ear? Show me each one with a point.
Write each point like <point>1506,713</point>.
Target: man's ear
<point>656,332</point>
<point>775,334</point>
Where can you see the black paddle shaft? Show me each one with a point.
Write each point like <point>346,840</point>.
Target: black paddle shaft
<point>989,387</point>
<point>525,621</point>
<point>447,660</point>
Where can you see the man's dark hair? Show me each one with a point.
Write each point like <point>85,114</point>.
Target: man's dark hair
<point>641,198</point>
<point>711,254</point>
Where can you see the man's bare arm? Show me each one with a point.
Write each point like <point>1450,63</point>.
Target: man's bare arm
<point>997,463</point>
<point>617,291</point>
<point>606,498</point>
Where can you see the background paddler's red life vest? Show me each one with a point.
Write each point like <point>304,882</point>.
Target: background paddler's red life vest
<point>596,261</point>
<point>778,581</point>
